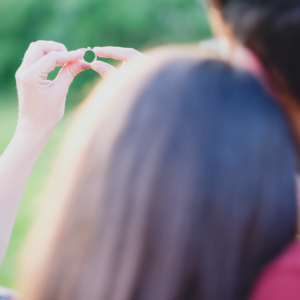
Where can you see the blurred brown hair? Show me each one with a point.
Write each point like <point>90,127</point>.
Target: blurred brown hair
<point>159,206</point>
<point>270,28</point>
<point>103,113</point>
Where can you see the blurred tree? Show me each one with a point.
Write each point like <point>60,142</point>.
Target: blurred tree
<point>78,23</point>
<point>81,23</point>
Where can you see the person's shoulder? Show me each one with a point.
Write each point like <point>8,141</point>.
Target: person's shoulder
<point>280,280</point>
<point>290,258</point>
<point>218,46</point>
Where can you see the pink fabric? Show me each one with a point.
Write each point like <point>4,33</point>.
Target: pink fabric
<point>280,280</point>
<point>245,59</point>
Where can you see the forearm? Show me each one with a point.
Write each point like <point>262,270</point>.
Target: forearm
<point>16,164</point>
<point>41,107</point>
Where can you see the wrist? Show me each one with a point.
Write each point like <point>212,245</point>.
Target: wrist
<point>30,129</point>
<point>31,144</point>
<point>33,133</point>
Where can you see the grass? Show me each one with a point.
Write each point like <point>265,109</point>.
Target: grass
<point>36,183</point>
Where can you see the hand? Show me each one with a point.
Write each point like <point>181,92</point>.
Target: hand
<point>118,53</point>
<point>41,101</point>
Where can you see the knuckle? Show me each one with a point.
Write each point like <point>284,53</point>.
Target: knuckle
<point>32,44</point>
<point>52,55</point>
<point>36,44</point>
<point>132,52</point>
<point>73,71</point>
<point>24,77</point>
<point>21,76</point>
<point>39,42</point>
<point>17,75</point>
<point>63,46</point>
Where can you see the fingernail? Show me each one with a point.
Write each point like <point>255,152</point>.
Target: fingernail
<point>85,66</point>
<point>81,49</point>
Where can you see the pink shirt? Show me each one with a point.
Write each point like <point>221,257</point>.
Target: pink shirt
<point>280,280</point>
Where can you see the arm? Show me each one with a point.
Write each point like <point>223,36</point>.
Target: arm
<point>41,107</point>
<point>16,164</point>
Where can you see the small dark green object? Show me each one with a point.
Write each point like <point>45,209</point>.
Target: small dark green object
<point>89,55</point>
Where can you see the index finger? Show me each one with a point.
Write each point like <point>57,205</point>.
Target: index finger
<point>49,61</point>
<point>117,53</point>
<point>39,49</point>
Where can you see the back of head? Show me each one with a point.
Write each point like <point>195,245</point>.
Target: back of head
<point>271,28</point>
<point>199,194</point>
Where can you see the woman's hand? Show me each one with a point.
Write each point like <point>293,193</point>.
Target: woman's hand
<point>41,106</point>
<point>117,53</point>
<point>41,101</point>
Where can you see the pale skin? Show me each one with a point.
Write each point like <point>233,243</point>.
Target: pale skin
<point>41,107</point>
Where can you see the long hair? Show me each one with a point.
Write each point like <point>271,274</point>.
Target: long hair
<point>198,194</point>
<point>271,29</point>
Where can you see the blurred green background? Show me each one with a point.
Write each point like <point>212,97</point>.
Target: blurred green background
<point>139,24</point>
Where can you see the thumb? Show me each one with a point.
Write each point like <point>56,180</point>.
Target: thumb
<point>104,69</point>
<point>69,71</point>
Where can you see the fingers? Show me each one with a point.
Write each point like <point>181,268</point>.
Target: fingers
<point>38,49</point>
<point>104,69</point>
<point>48,62</point>
<point>69,71</point>
<point>117,53</point>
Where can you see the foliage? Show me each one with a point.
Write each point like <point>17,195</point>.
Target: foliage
<point>78,23</point>
<point>32,198</point>
<point>81,23</point>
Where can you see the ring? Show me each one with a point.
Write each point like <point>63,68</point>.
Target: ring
<point>90,49</point>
